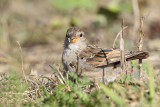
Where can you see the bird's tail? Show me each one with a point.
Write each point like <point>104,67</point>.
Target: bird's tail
<point>137,55</point>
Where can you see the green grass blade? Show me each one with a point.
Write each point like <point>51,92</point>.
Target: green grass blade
<point>119,101</point>
<point>45,91</point>
<point>151,81</point>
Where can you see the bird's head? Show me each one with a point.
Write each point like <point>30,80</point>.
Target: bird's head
<point>75,36</point>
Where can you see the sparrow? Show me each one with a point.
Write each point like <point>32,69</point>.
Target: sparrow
<point>92,61</point>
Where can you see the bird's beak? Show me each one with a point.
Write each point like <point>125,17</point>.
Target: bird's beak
<point>73,39</point>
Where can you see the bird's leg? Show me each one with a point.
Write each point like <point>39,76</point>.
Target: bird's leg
<point>67,74</point>
<point>103,76</point>
<point>80,72</point>
<point>115,66</point>
<point>77,67</point>
<point>140,69</point>
<point>77,64</point>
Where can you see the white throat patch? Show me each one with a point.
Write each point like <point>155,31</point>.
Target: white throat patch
<point>74,46</point>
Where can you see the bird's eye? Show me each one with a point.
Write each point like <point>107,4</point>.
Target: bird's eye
<point>81,35</point>
<point>67,35</point>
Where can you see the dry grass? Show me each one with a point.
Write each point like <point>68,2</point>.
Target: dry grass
<point>26,78</point>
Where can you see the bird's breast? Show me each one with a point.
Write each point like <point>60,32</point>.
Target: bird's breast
<point>69,59</point>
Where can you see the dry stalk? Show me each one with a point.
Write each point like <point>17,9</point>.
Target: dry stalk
<point>122,52</point>
<point>114,43</point>
<point>59,76</point>
<point>58,69</point>
<point>61,81</point>
<point>140,47</point>
<point>136,19</point>
<point>141,34</point>
<point>22,61</point>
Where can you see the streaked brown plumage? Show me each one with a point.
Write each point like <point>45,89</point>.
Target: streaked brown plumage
<point>99,57</point>
<point>89,60</point>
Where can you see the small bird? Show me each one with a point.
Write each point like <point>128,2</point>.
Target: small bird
<point>92,61</point>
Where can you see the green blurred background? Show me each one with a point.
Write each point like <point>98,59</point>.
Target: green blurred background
<point>40,26</point>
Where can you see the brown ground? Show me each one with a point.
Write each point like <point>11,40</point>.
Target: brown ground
<point>40,28</point>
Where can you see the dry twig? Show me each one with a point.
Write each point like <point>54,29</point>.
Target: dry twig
<point>114,43</point>
<point>22,61</point>
<point>140,46</point>
<point>136,19</point>
<point>59,76</point>
<point>122,52</point>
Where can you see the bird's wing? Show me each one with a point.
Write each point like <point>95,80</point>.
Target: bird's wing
<point>99,57</point>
